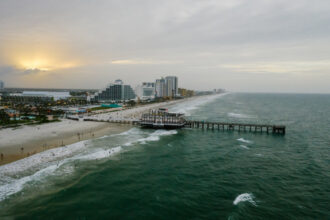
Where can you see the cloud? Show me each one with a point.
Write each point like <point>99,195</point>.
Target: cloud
<point>5,70</point>
<point>33,71</point>
<point>141,62</point>
<point>280,67</point>
<point>213,41</point>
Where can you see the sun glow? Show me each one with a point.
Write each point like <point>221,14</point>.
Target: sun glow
<point>45,64</point>
<point>41,57</point>
<point>36,64</point>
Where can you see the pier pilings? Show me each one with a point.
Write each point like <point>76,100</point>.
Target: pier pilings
<point>275,129</point>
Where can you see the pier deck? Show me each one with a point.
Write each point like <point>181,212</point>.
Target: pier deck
<point>223,126</point>
<point>275,129</point>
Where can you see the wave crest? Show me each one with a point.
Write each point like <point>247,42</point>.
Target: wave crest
<point>245,197</point>
<point>244,140</point>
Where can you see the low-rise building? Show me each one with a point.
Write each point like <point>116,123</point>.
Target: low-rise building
<point>55,95</point>
<point>185,92</point>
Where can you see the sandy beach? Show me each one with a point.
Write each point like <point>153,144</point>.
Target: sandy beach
<point>25,141</point>
<point>28,140</point>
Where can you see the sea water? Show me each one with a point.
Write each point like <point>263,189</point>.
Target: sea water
<point>188,173</point>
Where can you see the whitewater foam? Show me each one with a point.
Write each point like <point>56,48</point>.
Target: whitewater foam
<point>245,197</point>
<point>245,147</point>
<point>244,140</point>
<point>100,154</point>
<point>18,184</point>
<point>13,185</point>
<point>40,158</point>
<point>238,115</point>
<point>132,131</point>
<point>188,106</point>
<point>155,136</point>
<point>44,164</point>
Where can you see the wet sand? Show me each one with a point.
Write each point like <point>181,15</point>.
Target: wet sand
<point>22,142</point>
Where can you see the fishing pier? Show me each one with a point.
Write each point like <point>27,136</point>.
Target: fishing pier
<point>161,119</point>
<point>275,129</point>
<point>164,119</point>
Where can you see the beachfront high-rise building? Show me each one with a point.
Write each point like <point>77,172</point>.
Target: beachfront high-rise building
<point>167,87</point>
<point>2,85</point>
<point>145,91</point>
<point>171,86</point>
<point>160,87</point>
<point>115,92</point>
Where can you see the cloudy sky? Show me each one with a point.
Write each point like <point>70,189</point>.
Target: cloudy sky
<point>240,45</point>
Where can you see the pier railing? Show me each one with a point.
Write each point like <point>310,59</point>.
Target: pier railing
<point>262,128</point>
<point>275,129</point>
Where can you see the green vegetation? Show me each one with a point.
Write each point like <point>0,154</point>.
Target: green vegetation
<point>4,118</point>
<point>6,121</point>
<point>131,103</point>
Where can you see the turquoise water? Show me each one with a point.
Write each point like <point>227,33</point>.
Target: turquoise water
<point>189,173</point>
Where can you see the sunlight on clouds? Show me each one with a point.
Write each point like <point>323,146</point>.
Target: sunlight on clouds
<point>43,57</point>
<point>38,63</point>
<point>45,64</point>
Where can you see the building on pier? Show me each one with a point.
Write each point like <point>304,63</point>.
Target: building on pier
<point>161,118</point>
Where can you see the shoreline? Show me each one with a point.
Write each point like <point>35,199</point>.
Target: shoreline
<point>28,140</point>
<point>60,134</point>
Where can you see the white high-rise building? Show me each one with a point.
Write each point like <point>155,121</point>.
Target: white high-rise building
<point>160,87</point>
<point>2,85</point>
<point>145,91</point>
<point>171,86</point>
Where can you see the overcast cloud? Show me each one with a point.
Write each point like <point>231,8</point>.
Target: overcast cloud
<point>253,46</point>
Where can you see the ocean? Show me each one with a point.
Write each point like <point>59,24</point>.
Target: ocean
<point>187,173</point>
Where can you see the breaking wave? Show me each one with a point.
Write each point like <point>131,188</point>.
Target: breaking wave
<point>245,197</point>
<point>155,136</point>
<point>244,140</point>
<point>100,154</point>
<point>188,106</point>
<point>14,177</point>
<point>245,147</point>
<point>238,115</point>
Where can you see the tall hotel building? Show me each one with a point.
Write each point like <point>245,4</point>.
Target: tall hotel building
<point>160,87</point>
<point>167,87</point>
<point>116,92</point>
<point>171,86</point>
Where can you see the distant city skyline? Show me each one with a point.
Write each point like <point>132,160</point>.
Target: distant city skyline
<point>241,46</point>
